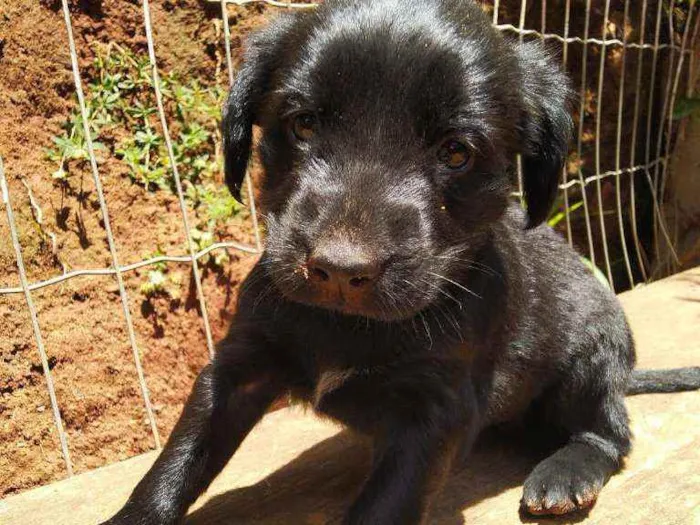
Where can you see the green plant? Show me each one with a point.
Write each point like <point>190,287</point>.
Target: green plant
<point>203,240</point>
<point>71,146</point>
<point>159,281</point>
<point>597,272</point>
<point>686,107</point>
<point>124,123</point>
<point>557,217</point>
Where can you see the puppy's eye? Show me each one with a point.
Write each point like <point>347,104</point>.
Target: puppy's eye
<point>304,126</point>
<point>454,155</point>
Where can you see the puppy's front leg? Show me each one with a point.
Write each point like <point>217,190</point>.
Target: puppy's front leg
<point>410,466</point>
<point>229,397</point>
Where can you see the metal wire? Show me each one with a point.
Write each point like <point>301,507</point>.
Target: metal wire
<point>585,40</point>
<point>633,144</point>
<point>519,158</point>
<point>669,129</point>
<point>659,222</point>
<point>650,106</point>
<point>543,18</point>
<point>565,169</point>
<point>618,149</point>
<point>176,174</point>
<point>496,6</point>
<point>35,320</point>
<point>695,41</point>
<point>660,134</point>
<point>579,140</point>
<point>107,226</point>
<point>599,109</point>
<point>129,267</point>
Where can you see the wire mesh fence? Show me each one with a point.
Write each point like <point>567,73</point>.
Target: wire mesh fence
<point>630,62</point>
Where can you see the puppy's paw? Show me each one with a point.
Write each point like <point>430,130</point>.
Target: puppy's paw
<point>568,481</point>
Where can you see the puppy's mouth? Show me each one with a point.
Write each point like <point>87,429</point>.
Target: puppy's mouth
<point>339,302</point>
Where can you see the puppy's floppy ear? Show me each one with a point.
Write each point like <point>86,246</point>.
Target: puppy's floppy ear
<point>545,128</point>
<point>260,61</point>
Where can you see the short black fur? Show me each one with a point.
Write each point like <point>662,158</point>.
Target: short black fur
<point>400,292</point>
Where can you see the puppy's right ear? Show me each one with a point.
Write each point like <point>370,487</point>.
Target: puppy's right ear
<point>260,61</point>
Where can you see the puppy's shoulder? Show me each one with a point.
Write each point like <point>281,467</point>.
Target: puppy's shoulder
<point>546,263</point>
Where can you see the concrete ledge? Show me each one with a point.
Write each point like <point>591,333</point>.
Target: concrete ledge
<point>297,469</point>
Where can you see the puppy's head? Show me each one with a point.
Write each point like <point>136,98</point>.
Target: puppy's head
<point>389,131</point>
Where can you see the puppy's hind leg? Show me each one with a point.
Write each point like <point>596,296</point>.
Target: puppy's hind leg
<point>589,408</point>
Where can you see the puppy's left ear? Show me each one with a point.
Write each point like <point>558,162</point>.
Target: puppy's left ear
<point>545,129</point>
<point>261,59</point>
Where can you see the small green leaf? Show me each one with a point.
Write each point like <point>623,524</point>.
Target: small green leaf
<point>59,174</point>
<point>221,258</point>
<point>558,217</point>
<point>596,272</point>
<point>685,107</point>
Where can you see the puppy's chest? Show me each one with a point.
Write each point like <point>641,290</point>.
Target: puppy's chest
<point>364,394</point>
<point>350,387</point>
<point>359,375</point>
<point>340,390</point>
<point>361,397</point>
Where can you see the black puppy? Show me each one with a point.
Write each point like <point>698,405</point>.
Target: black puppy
<point>400,292</point>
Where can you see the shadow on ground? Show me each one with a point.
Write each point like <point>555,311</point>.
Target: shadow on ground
<point>318,485</point>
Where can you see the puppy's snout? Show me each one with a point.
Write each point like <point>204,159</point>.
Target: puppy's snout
<point>341,265</point>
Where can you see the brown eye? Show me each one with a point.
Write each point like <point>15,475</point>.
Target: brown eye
<point>454,155</point>
<point>304,126</point>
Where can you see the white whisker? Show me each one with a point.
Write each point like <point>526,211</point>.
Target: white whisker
<point>456,284</point>
<point>427,330</point>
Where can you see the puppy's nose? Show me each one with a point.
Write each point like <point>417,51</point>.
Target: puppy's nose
<point>341,264</point>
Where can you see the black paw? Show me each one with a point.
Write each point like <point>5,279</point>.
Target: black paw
<point>568,481</point>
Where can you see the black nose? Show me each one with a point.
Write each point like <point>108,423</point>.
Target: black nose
<point>344,264</point>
